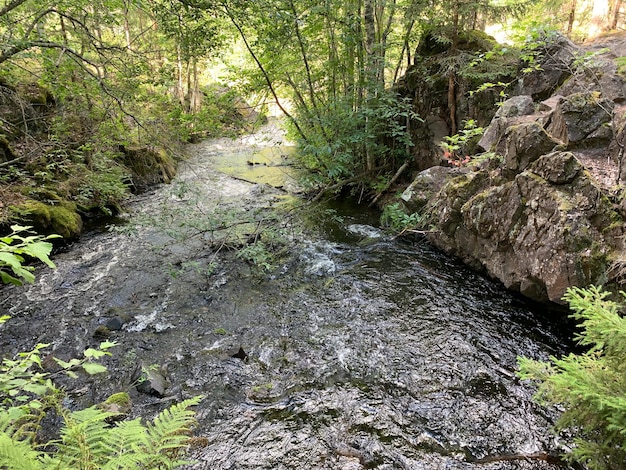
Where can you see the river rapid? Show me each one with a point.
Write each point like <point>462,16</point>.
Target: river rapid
<point>356,350</point>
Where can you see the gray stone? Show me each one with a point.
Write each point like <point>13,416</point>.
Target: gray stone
<point>557,167</point>
<point>577,120</point>
<point>425,186</point>
<point>513,107</point>
<point>524,143</point>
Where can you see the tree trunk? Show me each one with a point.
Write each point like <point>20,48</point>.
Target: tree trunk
<point>452,102</point>
<point>570,19</point>
<point>127,26</point>
<point>615,13</point>
<point>180,87</point>
<point>452,71</point>
<point>195,96</point>
<point>370,75</point>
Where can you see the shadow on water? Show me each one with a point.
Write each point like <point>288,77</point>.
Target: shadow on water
<point>359,351</point>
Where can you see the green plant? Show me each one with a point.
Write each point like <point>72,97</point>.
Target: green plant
<point>16,248</point>
<point>26,390</point>
<point>589,386</point>
<point>88,440</point>
<point>258,254</point>
<point>455,146</point>
<point>394,217</point>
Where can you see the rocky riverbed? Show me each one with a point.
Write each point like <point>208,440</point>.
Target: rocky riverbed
<point>347,349</point>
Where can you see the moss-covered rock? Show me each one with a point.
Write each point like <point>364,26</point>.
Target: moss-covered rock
<point>148,165</point>
<point>547,229</point>
<point>61,218</point>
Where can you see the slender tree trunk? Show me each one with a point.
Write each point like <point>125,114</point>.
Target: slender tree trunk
<point>127,26</point>
<point>617,6</point>
<point>384,36</point>
<point>370,76</point>
<point>570,19</point>
<point>452,102</point>
<point>311,89</point>
<point>452,71</point>
<point>180,86</point>
<point>196,97</point>
<point>405,48</point>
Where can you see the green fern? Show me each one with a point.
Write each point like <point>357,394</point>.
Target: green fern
<point>169,433</point>
<point>89,442</point>
<point>17,454</point>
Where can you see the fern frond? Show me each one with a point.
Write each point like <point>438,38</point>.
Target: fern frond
<point>170,430</point>
<point>84,438</point>
<point>125,443</point>
<point>18,455</point>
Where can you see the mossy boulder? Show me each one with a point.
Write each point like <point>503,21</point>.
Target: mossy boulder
<point>149,166</point>
<point>61,218</point>
<point>547,229</point>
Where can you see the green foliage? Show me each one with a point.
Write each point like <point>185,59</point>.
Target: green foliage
<point>395,218</point>
<point>589,386</point>
<point>337,141</point>
<point>458,147</point>
<point>17,248</point>
<point>535,42</point>
<point>88,440</point>
<point>27,391</point>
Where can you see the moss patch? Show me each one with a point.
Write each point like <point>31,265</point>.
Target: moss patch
<point>149,166</point>
<point>62,218</point>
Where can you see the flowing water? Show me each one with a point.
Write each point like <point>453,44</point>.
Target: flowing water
<point>357,351</point>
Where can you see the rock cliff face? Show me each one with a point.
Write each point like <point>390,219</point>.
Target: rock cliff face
<point>544,210</point>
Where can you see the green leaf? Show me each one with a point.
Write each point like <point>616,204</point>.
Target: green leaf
<point>40,250</point>
<point>8,279</point>
<point>12,260</point>
<point>93,368</point>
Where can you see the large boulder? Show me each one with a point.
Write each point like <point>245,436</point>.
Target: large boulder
<point>425,186</point>
<point>554,57</point>
<point>525,143</point>
<point>582,120</point>
<point>514,107</point>
<point>546,230</point>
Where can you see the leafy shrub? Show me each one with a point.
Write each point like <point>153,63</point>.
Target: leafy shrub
<point>590,386</point>
<point>457,148</point>
<point>397,219</point>
<point>16,248</point>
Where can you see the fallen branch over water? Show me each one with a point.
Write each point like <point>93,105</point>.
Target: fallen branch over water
<point>345,182</point>
<point>393,180</point>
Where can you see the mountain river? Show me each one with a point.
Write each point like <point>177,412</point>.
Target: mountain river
<point>352,350</point>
